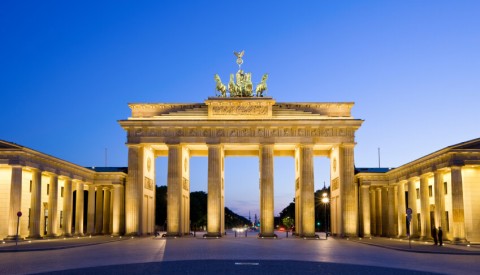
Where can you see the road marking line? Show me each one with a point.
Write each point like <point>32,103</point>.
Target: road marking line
<point>247,264</point>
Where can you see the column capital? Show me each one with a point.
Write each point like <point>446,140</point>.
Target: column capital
<point>347,145</point>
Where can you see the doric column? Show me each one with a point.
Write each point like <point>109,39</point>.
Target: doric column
<point>412,204</point>
<point>91,209</point>
<point>425,208</point>
<point>440,216</point>
<point>67,207</point>
<point>348,192</point>
<point>36,204</point>
<point>134,190</point>
<point>385,216</point>
<point>53,206</point>
<point>392,210</point>
<point>266,191</point>
<point>378,213</point>
<point>214,208</point>
<point>373,212</point>
<point>307,193</point>
<point>401,210</point>
<point>79,212</point>
<point>15,201</point>
<point>99,211</point>
<point>174,193</point>
<point>116,211</point>
<point>365,206</point>
<point>106,211</point>
<point>458,215</point>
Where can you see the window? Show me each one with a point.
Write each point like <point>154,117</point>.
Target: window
<point>419,222</point>
<point>430,191</point>
<point>48,188</point>
<point>29,212</point>
<point>61,192</point>
<point>30,186</point>
<point>61,219</point>
<point>445,187</point>
<point>418,193</point>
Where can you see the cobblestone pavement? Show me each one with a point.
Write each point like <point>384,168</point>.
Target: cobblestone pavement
<point>241,255</point>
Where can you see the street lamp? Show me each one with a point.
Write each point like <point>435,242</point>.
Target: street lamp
<point>325,200</point>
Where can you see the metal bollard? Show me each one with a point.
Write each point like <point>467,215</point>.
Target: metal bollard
<point>287,233</point>
<point>235,233</point>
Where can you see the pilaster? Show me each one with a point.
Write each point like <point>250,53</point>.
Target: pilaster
<point>106,211</point>
<point>99,210</point>
<point>385,216</point>
<point>116,211</point>
<point>378,213</point>
<point>373,212</point>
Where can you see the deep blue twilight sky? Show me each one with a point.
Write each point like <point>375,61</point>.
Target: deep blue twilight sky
<point>68,69</point>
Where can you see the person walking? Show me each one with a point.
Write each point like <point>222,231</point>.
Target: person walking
<point>434,235</point>
<point>440,236</point>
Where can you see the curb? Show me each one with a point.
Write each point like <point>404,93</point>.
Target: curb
<point>419,251</point>
<point>56,248</point>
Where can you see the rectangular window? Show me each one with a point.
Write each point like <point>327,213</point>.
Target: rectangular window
<point>418,193</point>
<point>48,188</point>
<point>430,191</point>
<point>445,187</point>
<point>30,186</point>
<point>61,219</point>
<point>29,212</point>
<point>448,223</point>
<point>419,222</point>
<point>61,192</point>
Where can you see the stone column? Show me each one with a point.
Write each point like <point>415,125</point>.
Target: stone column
<point>412,204</point>
<point>106,211</point>
<point>373,212</point>
<point>385,216</point>
<point>214,190</point>
<point>174,194</point>
<point>79,212</point>
<point>15,202</point>
<point>401,210</point>
<point>392,210</point>
<point>458,215</point>
<point>134,190</point>
<point>378,214</point>
<point>91,210</point>
<point>53,206</point>
<point>116,211</point>
<point>348,191</point>
<point>425,208</point>
<point>36,204</point>
<point>365,197</point>
<point>307,192</point>
<point>266,191</point>
<point>99,211</point>
<point>67,207</point>
<point>440,216</point>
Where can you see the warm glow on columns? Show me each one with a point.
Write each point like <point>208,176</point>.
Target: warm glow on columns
<point>174,187</point>
<point>79,212</point>
<point>401,210</point>
<point>15,200</point>
<point>214,207</point>
<point>457,205</point>
<point>67,207</point>
<point>90,210</point>
<point>412,204</point>
<point>307,191</point>
<point>116,209</point>
<point>266,191</point>
<point>365,210</point>
<point>440,216</point>
<point>53,206</point>
<point>36,204</point>
<point>349,198</point>
<point>425,208</point>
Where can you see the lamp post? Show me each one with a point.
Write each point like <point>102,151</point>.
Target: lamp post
<point>325,201</point>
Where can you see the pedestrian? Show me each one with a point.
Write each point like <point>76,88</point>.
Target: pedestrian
<point>434,235</point>
<point>440,236</point>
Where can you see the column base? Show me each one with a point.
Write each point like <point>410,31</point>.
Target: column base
<point>459,241</point>
<point>68,235</point>
<point>13,238</point>
<point>309,236</point>
<point>424,238</point>
<point>78,234</point>
<point>35,237</point>
<point>52,236</point>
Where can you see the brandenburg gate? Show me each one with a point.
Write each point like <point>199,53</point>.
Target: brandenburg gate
<point>241,124</point>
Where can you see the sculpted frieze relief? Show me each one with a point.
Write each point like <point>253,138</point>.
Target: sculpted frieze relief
<point>146,110</point>
<point>242,132</point>
<point>328,109</point>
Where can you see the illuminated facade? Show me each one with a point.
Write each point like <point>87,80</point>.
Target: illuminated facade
<point>56,197</point>
<point>442,189</point>
<point>239,126</point>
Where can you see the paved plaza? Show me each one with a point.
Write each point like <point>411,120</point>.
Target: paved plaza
<point>240,255</point>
